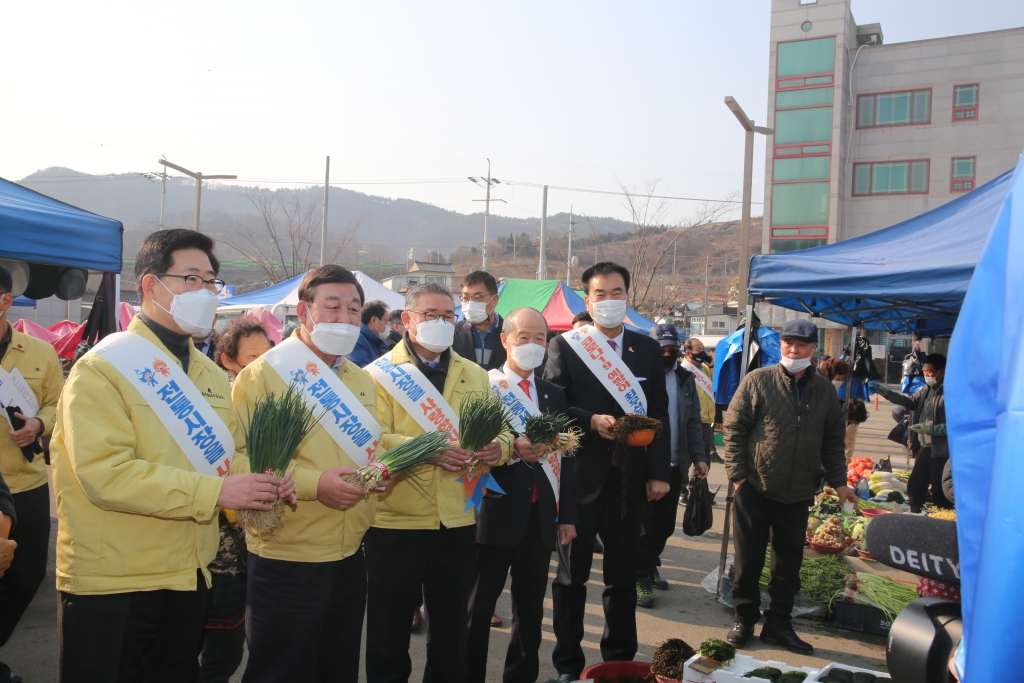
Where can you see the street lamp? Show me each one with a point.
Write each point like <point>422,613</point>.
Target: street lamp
<point>748,173</point>
<point>199,177</point>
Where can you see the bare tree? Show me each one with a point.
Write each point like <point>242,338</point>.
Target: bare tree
<point>282,245</point>
<point>651,239</point>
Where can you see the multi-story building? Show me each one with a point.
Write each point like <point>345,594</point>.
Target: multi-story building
<point>868,134</point>
<point>420,272</point>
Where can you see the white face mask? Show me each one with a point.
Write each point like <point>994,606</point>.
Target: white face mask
<point>795,364</point>
<point>838,383</point>
<point>610,312</point>
<point>334,339</point>
<point>475,311</point>
<point>931,381</point>
<point>528,356</point>
<point>386,332</point>
<point>435,336</point>
<point>193,311</point>
<point>203,335</point>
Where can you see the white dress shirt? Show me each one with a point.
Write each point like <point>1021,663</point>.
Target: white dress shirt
<point>617,339</point>
<point>516,378</point>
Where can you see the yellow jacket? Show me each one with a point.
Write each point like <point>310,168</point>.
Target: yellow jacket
<point>311,532</point>
<point>405,506</point>
<point>39,365</point>
<point>133,513</point>
<point>707,404</point>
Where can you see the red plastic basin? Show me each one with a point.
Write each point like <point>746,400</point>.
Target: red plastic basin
<point>609,672</point>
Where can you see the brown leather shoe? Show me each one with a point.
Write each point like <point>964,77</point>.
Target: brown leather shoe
<point>495,621</point>
<point>417,620</point>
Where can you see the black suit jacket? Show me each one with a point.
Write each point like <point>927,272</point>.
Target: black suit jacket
<point>463,344</point>
<point>587,397</point>
<point>503,518</point>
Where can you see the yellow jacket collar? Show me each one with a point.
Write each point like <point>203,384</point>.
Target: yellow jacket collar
<point>400,354</point>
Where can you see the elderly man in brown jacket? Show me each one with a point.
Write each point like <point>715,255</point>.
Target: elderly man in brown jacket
<point>784,425</point>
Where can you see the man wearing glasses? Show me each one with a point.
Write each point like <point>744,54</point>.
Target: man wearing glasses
<point>423,538</point>
<point>144,439</point>
<point>477,337</point>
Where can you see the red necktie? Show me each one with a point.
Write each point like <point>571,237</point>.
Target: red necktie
<point>524,384</point>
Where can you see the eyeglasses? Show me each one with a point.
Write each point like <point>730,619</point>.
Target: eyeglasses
<point>193,283</point>
<point>478,298</point>
<point>433,317</point>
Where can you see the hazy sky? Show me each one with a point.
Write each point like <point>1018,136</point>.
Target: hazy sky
<point>576,94</point>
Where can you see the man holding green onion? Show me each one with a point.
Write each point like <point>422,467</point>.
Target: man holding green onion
<point>315,557</point>
<point>423,538</point>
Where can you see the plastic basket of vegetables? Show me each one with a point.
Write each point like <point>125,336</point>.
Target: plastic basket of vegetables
<point>636,431</point>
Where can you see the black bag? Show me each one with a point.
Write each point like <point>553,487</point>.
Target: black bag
<point>900,433</point>
<point>699,514</point>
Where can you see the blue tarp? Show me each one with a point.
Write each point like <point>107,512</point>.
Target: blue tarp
<point>984,389</point>
<point>728,354</point>
<point>271,296</point>
<point>24,301</point>
<point>908,278</point>
<point>39,229</point>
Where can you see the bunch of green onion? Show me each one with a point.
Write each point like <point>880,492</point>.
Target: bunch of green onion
<point>416,451</point>
<point>888,595</point>
<point>276,426</point>
<point>482,417</point>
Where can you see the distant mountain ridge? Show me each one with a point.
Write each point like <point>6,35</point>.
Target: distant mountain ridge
<point>135,201</point>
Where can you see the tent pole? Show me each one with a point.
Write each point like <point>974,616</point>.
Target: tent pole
<point>744,361</point>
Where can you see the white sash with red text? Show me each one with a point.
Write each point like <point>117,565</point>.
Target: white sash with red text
<point>520,406</point>
<point>347,420</point>
<point>610,370</point>
<point>179,405</point>
<point>415,394</point>
<point>702,380</point>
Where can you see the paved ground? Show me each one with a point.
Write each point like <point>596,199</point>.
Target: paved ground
<point>685,611</point>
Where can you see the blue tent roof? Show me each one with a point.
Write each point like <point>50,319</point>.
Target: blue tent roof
<point>24,301</point>
<point>40,229</point>
<point>984,392</point>
<point>910,277</point>
<point>265,297</point>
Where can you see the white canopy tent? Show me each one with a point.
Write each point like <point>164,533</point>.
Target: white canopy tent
<point>280,299</point>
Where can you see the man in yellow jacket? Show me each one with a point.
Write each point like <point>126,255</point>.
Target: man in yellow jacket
<point>315,556</point>
<point>423,536</point>
<point>695,360</point>
<point>137,517</point>
<point>24,467</point>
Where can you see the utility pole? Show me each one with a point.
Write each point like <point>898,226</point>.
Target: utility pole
<point>323,224</point>
<point>748,173</point>
<point>198,177</point>
<point>704,324</point>
<point>674,245</point>
<point>488,182</point>
<point>513,247</point>
<point>568,261</point>
<point>163,194</point>
<point>542,267</point>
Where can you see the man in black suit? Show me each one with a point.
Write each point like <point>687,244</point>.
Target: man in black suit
<point>476,337</point>
<point>206,341</point>
<point>612,487</point>
<point>397,329</point>
<point>520,529</point>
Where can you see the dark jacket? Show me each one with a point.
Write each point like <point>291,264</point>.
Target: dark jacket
<point>779,443</point>
<point>503,518</point>
<point>587,396</point>
<point>369,347</point>
<point>391,341</point>
<point>7,503</point>
<point>691,444</point>
<point>916,403</point>
<point>463,343</point>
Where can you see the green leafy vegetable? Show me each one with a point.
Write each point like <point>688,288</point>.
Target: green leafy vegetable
<point>716,649</point>
<point>482,416</point>
<point>767,672</point>
<point>415,451</point>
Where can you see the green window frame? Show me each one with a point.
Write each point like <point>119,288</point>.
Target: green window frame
<point>891,177</point>
<point>803,125</point>
<point>902,108</point>
<point>801,168</point>
<point>806,57</point>
<point>800,203</point>
<point>804,97</point>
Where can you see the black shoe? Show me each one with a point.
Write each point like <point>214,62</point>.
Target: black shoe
<point>715,458</point>
<point>567,678</point>
<point>684,497</point>
<point>598,548</point>
<point>740,634</point>
<point>15,678</point>
<point>786,637</point>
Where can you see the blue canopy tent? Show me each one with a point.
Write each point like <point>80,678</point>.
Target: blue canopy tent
<point>728,354</point>
<point>908,278</point>
<point>984,391</point>
<point>39,229</point>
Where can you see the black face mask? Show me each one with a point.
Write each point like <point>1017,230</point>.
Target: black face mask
<point>670,359</point>
<point>701,357</point>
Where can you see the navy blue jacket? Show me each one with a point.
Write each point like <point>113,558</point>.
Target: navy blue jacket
<point>369,347</point>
